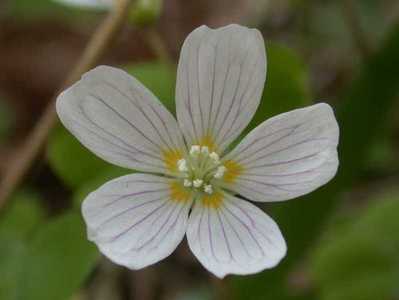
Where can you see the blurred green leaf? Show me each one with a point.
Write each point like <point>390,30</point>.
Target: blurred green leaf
<point>58,260</point>
<point>71,161</point>
<point>361,117</point>
<point>18,222</point>
<point>360,261</point>
<point>367,287</point>
<point>287,85</point>
<point>196,293</point>
<point>145,12</point>
<point>12,253</point>
<point>42,260</point>
<point>159,78</point>
<point>28,8</point>
<point>382,155</point>
<point>22,216</point>
<point>39,9</point>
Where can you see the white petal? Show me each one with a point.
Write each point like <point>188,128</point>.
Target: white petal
<point>234,238</point>
<point>99,4</point>
<point>220,79</point>
<point>288,155</point>
<point>134,221</point>
<point>118,119</point>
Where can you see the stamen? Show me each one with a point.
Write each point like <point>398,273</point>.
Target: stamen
<point>182,165</point>
<point>195,150</point>
<point>187,183</point>
<point>197,183</point>
<point>220,172</point>
<point>208,189</point>
<point>199,169</point>
<point>215,157</point>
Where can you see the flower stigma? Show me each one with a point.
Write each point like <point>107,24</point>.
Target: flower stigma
<point>201,169</point>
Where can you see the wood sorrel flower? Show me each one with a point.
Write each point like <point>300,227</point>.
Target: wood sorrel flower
<point>190,184</point>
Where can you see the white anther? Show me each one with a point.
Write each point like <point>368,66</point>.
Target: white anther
<point>195,150</point>
<point>205,150</point>
<point>208,189</point>
<point>182,165</point>
<point>187,183</point>
<point>197,183</point>
<point>220,172</point>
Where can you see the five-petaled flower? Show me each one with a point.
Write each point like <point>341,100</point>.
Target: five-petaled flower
<point>191,183</point>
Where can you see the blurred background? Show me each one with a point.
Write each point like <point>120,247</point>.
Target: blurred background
<point>343,239</point>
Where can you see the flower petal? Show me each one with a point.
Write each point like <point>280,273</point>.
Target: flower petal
<point>118,119</point>
<point>233,236</point>
<point>220,79</point>
<point>286,156</point>
<point>135,220</point>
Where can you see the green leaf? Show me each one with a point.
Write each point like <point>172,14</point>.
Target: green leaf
<point>27,8</point>
<point>287,85</point>
<point>17,223</point>
<point>196,293</point>
<point>71,161</point>
<point>159,78</point>
<point>145,12</point>
<point>41,9</point>
<point>12,253</point>
<point>58,261</point>
<point>22,216</point>
<point>367,287</point>
<point>42,260</point>
<point>363,252</point>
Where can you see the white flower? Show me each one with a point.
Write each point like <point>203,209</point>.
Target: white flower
<point>139,219</point>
